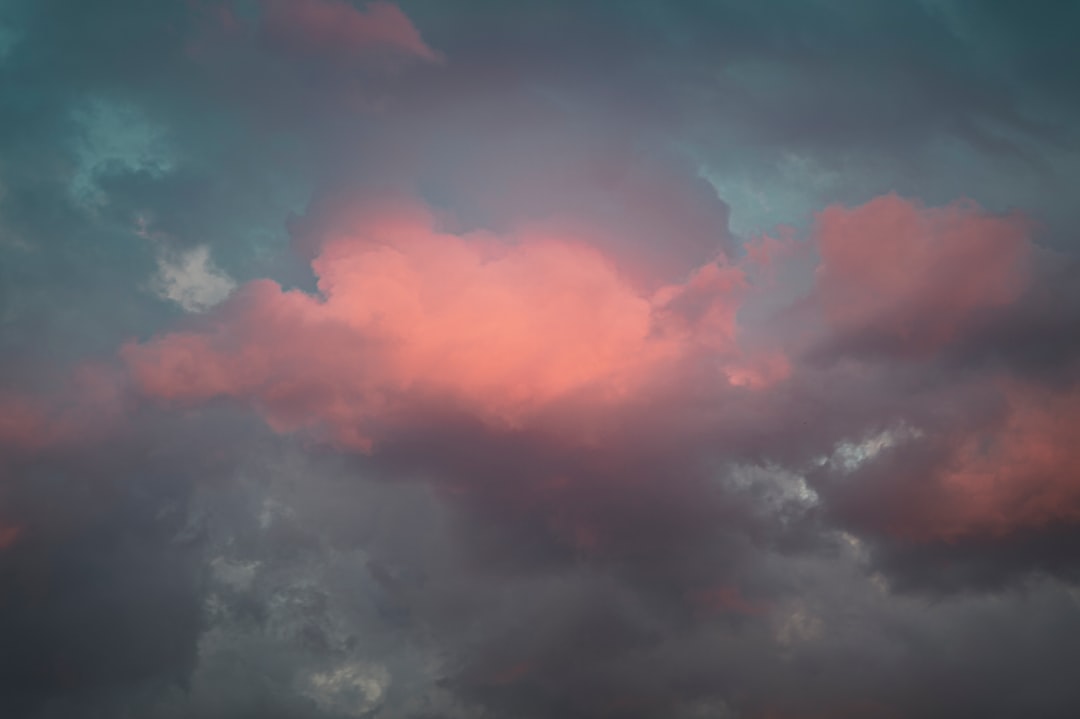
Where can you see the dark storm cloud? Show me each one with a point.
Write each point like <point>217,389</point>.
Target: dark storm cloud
<point>580,640</point>
<point>103,581</point>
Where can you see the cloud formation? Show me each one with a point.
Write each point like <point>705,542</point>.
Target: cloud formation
<point>407,315</point>
<point>540,359</point>
<point>909,277</point>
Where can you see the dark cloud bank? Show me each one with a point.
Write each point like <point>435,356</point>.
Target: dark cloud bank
<point>475,359</point>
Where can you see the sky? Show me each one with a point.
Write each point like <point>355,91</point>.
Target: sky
<point>539,359</point>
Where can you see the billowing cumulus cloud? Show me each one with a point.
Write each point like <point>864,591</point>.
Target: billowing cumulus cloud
<point>910,277</point>
<point>538,359</point>
<point>407,315</point>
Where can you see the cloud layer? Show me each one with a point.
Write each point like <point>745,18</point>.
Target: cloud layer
<point>537,359</point>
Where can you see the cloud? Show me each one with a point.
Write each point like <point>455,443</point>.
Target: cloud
<point>99,561</point>
<point>420,341</point>
<point>352,689</point>
<point>505,329</point>
<point>191,280</point>
<point>336,28</point>
<point>86,407</point>
<point>1022,473</point>
<point>1005,465</point>
<point>542,341</point>
<point>739,509</point>
<point>908,278</point>
<point>9,534</point>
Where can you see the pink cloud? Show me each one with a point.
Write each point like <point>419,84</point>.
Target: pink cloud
<point>913,276</point>
<point>23,423</point>
<point>85,406</point>
<point>509,330</point>
<point>912,279</point>
<point>543,331</point>
<point>336,28</point>
<point>9,534</point>
<point>1021,473</point>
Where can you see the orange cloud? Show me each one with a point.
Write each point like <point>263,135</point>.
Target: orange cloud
<point>506,330</point>
<point>914,275</point>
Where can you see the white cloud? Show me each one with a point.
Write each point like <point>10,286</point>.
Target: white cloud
<point>849,456</point>
<point>777,488</point>
<point>191,280</point>
<point>353,689</point>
